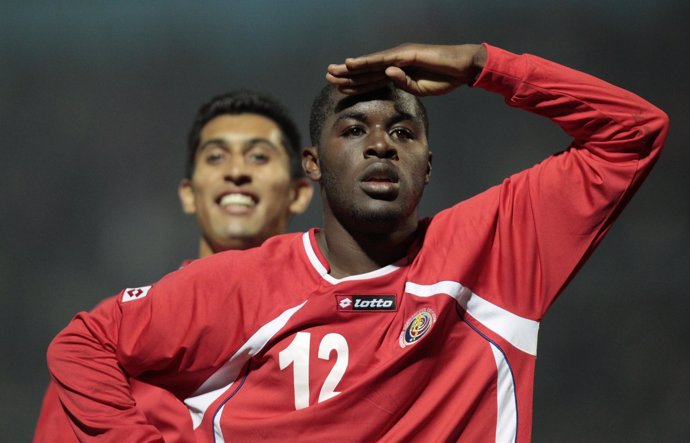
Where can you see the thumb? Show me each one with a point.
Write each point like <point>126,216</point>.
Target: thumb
<point>400,79</point>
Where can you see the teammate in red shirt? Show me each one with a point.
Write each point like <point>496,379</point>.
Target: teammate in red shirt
<point>243,182</point>
<point>379,326</point>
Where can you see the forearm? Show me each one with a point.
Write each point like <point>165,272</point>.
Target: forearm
<point>94,358</point>
<point>610,122</point>
<point>53,425</point>
<point>554,214</point>
<point>92,385</point>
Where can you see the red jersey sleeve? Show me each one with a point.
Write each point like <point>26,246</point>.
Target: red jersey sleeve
<point>53,425</point>
<point>151,333</point>
<point>539,226</point>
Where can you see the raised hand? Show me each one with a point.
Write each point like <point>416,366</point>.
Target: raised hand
<point>416,68</point>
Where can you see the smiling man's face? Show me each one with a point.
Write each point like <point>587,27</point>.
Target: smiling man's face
<point>241,190</point>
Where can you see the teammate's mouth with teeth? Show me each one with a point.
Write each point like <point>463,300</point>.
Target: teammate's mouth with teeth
<point>237,199</point>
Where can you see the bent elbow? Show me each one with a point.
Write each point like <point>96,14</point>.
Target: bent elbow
<point>55,354</point>
<point>657,127</point>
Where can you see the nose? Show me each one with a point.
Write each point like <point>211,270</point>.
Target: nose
<point>237,171</point>
<point>380,145</point>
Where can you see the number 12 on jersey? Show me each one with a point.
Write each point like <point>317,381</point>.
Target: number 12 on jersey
<point>297,354</point>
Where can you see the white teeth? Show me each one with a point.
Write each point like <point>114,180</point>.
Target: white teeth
<point>236,199</point>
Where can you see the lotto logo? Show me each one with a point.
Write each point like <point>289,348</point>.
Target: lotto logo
<point>130,294</point>
<point>373,303</point>
<point>353,303</point>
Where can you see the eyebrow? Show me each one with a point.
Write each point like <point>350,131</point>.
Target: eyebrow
<point>402,116</point>
<point>359,116</point>
<point>247,143</point>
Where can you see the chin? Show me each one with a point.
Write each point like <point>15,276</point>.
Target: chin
<point>238,242</point>
<point>378,219</point>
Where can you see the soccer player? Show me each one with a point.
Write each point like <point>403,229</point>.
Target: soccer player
<point>379,326</point>
<point>243,181</point>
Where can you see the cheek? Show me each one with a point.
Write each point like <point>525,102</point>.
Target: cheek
<point>337,168</point>
<point>421,166</point>
<point>277,193</point>
<point>204,181</point>
<point>204,199</point>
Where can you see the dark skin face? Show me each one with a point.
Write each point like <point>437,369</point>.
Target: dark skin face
<point>372,165</point>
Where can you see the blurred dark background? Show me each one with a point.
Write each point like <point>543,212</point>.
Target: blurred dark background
<point>96,99</point>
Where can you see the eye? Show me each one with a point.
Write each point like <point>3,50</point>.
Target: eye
<point>353,131</point>
<point>259,153</point>
<point>258,157</point>
<point>402,134</point>
<point>214,157</point>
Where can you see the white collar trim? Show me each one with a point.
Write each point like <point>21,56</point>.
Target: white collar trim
<point>323,272</point>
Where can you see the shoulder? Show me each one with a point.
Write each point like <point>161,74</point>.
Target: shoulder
<point>229,271</point>
<point>479,208</point>
<point>228,265</point>
<point>279,245</point>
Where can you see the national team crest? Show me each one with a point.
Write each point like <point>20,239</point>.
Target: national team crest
<point>417,327</point>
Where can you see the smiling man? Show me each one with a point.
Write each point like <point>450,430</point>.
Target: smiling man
<point>380,326</point>
<point>243,182</point>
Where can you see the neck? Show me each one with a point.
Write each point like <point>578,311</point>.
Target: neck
<point>206,249</point>
<point>352,252</point>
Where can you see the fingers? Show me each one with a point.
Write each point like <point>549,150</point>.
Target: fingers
<point>380,60</point>
<point>359,75</point>
<point>398,77</point>
<point>405,66</point>
<point>416,68</point>
<point>356,79</point>
<point>357,83</point>
<point>337,70</point>
<point>376,62</point>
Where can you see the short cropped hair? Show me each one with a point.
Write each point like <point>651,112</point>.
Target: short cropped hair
<point>247,102</point>
<point>323,105</point>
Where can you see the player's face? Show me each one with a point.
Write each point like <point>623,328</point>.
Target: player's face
<point>373,162</point>
<point>241,190</point>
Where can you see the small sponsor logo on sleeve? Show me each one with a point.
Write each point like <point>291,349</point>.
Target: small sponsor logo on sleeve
<point>366,303</point>
<point>135,293</point>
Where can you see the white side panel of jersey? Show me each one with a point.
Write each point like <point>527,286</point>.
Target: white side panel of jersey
<point>518,331</point>
<point>216,426</point>
<point>506,408</point>
<point>225,376</point>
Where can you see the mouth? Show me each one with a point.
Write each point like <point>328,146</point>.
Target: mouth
<point>381,181</point>
<point>237,202</point>
<point>380,172</point>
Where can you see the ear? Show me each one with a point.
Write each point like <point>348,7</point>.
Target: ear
<point>427,178</point>
<point>187,198</point>
<point>310,163</point>
<point>302,192</point>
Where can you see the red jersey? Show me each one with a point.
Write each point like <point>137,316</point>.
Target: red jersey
<point>265,345</point>
<point>162,409</point>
